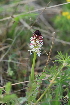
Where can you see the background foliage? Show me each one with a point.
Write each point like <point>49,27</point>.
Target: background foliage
<point>18,20</point>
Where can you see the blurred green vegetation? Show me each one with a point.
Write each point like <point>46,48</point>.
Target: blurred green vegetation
<point>62,23</point>
<point>15,34</point>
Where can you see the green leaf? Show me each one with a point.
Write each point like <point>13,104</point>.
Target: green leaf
<point>56,100</point>
<point>10,72</point>
<point>8,87</point>
<point>1,91</point>
<point>10,98</point>
<point>1,96</point>
<point>25,16</point>
<point>22,100</point>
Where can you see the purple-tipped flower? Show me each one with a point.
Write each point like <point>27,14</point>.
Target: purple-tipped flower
<point>36,42</point>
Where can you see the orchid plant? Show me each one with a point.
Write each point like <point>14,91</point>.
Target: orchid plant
<point>35,47</point>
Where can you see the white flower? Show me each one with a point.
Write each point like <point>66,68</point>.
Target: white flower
<point>36,42</point>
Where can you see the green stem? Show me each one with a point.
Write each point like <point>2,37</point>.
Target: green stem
<point>32,69</point>
<point>48,86</point>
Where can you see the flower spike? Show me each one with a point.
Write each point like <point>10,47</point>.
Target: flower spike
<point>36,42</point>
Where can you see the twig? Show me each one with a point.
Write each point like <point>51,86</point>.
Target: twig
<point>49,55</point>
<point>35,11</point>
<point>3,48</point>
<point>19,83</point>
<point>16,84</point>
<point>57,40</point>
